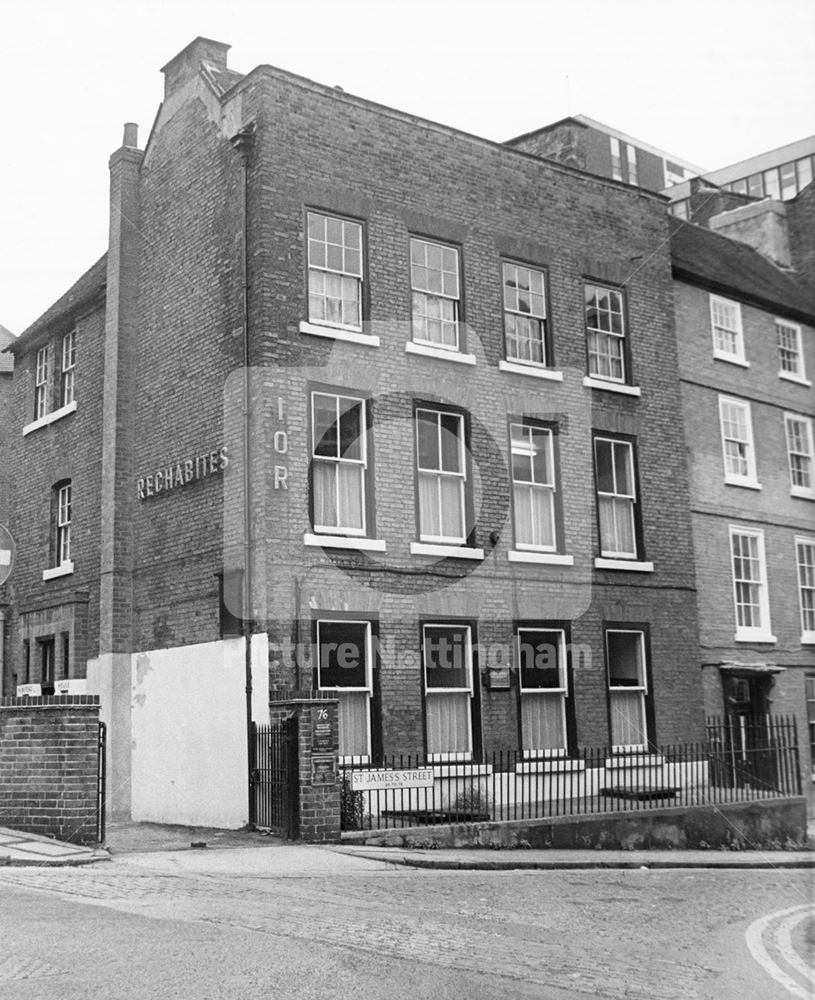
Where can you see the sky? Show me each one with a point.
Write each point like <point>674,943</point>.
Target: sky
<point>711,82</point>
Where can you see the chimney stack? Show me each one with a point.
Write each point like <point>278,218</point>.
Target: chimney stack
<point>187,64</point>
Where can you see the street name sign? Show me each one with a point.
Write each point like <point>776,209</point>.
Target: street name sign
<point>369,781</point>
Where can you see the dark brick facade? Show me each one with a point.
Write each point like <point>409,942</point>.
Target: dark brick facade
<point>48,766</point>
<point>771,509</point>
<point>159,380</point>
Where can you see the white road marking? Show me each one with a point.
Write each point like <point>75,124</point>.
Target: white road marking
<point>754,938</point>
<point>785,945</point>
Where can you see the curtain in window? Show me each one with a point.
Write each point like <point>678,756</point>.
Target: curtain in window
<point>627,718</point>
<point>534,523</point>
<point>338,495</point>
<point>542,721</point>
<point>448,722</point>
<point>440,511</point>
<point>617,525</point>
<point>353,723</point>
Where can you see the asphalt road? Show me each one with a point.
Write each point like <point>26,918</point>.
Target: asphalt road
<point>246,924</point>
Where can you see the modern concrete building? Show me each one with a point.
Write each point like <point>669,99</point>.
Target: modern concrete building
<point>398,404</point>
<point>590,145</point>
<point>780,174</point>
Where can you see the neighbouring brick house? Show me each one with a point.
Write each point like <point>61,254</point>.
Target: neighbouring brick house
<point>746,335</point>
<point>456,500</point>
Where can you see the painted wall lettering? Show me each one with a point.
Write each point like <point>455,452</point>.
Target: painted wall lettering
<point>183,472</point>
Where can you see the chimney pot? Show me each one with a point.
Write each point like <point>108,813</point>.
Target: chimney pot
<point>131,136</point>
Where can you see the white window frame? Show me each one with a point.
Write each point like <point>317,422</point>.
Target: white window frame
<point>616,158</point>
<point>439,474</point>
<point>642,687</point>
<point>423,296</point>
<point>633,170</point>
<point>806,586</point>
<point>731,478</point>
<point>761,632</point>
<point>805,457</point>
<point>347,272</point>
<point>338,691</point>
<point>41,407</point>
<point>795,353</point>
<point>338,461</point>
<point>725,318</point>
<point>596,336</point>
<point>428,691</point>
<point>68,368</point>
<point>562,689</point>
<point>63,525</point>
<point>531,312</point>
<point>549,486</point>
<point>631,497</point>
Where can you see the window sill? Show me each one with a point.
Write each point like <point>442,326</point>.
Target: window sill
<point>801,493</point>
<point>344,542</point>
<point>551,766</point>
<point>426,351</point>
<point>63,570</point>
<point>730,359</point>
<point>338,333</point>
<point>808,639</point>
<point>754,635</point>
<point>533,371</point>
<point>456,769</point>
<point>445,551</point>
<point>632,756</point>
<point>632,565</point>
<point>599,383</point>
<point>50,418</point>
<point>543,558</point>
<point>797,379</point>
<point>747,484</point>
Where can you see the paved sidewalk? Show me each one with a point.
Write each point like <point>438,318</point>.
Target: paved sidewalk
<point>31,849</point>
<point>475,859</point>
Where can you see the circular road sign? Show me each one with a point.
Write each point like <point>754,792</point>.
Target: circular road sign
<point>7,548</point>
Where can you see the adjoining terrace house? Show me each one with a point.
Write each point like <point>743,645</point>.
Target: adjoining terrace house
<point>464,439</point>
<point>746,335</point>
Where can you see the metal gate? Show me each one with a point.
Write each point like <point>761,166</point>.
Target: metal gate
<point>275,780</point>
<point>101,778</point>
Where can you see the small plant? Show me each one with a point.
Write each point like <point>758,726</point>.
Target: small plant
<point>470,803</point>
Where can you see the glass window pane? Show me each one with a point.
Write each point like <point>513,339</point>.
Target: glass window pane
<point>540,652</point>
<point>625,665</point>
<point>342,654</point>
<point>451,442</point>
<point>428,436</point>
<point>605,467</point>
<point>325,425</point>
<point>447,656</point>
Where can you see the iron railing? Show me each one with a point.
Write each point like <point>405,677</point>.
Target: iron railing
<point>275,779</point>
<point>101,781</point>
<point>741,760</point>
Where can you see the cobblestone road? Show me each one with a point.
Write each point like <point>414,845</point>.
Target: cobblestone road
<point>644,935</point>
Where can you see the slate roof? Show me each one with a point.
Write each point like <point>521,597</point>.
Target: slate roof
<point>718,263</point>
<point>83,291</point>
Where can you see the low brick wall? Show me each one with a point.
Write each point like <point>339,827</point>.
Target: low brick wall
<point>766,825</point>
<point>48,766</point>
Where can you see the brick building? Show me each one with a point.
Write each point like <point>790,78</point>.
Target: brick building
<point>404,399</point>
<point>746,335</point>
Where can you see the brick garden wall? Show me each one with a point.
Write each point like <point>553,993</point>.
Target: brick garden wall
<point>48,766</point>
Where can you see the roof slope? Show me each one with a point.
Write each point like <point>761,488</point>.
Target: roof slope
<point>91,284</point>
<point>718,262</point>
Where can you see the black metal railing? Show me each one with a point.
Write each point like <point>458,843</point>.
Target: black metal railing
<point>740,760</point>
<point>275,779</point>
<point>101,782</point>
